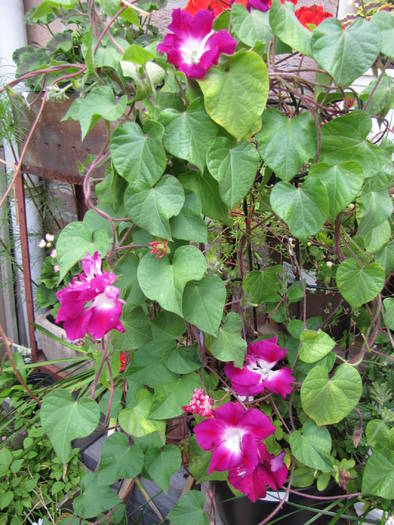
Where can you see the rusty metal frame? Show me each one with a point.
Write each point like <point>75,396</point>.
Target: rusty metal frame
<point>21,212</point>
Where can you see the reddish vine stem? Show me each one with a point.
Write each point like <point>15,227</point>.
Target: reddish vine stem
<point>100,369</point>
<point>337,236</point>
<point>17,374</point>
<point>283,500</point>
<point>111,392</point>
<point>107,27</point>
<point>326,498</point>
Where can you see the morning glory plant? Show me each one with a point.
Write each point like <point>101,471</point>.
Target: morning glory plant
<point>230,283</point>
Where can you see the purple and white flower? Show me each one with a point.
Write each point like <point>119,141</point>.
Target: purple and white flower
<point>193,46</point>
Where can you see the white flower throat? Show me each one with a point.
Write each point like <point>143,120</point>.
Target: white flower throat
<point>233,438</point>
<point>263,368</point>
<point>193,49</point>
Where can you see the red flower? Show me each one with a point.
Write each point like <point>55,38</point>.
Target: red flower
<point>122,361</point>
<point>159,248</point>
<point>311,16</point>
<point>217,6</point>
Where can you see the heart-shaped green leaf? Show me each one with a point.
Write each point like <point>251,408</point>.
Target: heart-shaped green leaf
<point>65,419</point>
<point>312,446</point>
<point>234,166</point>
<point>170,397</point>
<point>188,224</point>
<point>315,345</point>
<point>164,282</point>
<point>263,286</point>
<point>75,241</point>
<point>373,208</point>
<point>343,182</point>
<point>136,421</point>
<point>189,509</point>
<point>345,139</point>
<point>189,134</point>
<point>384,20</point>
<point>161,464</point>
<point>303,208</point>
<point>151,209</point>
<point>119,460</point>
<point>250,27</point>
<point>138,155</point>
<point>328,400</point>
<point>280,145</point>
<point>345,54</point>
<point>286,26</point>
<point>203,303</point>
<point>236,98</point>
<point>229,345</point>
<point>359,284</point>
<point>378,475</point>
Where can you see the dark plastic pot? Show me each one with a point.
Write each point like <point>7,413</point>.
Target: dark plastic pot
<point>241,511</point>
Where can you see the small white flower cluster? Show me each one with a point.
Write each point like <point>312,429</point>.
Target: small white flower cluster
<point>47,242</point>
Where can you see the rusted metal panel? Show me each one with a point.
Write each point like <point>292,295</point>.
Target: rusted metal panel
<point>56,147</point>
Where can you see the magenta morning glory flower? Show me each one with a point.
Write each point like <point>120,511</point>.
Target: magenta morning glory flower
<point>90,304</point>
<point>193,47</point>
<point>260,5</point>
<point>232,434</point>
<point>270,471</point>
<point>257,375</point>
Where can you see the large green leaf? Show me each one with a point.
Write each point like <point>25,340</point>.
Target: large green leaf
<point>286,26</point>
<point>189,509</point>
<point>149,363</point>
<point>136,421</point>
<point>99,103</point>
<point>126,272</point>
<point>137,329</point>
<point>376,238</point>
<point>188,225</point>
<point>189,134</point>
<point>138,155</point>
<point>164,281</point>
<point>343,182</point>
<point>65,419</point>
<point>373,208</point>
<point>359,284</point>
<point>315,345</point>
<point>303,208</point>
<point>312,446</point>
<point>229,345</point>
<point>170,397</point>
<point>378,475</point>
<point>184,359</point>
<point>94,499</point>
<point>151,209</point>
<point>262,286</point>
<point>344,139</point>
<point>328,400</point>
<point>234,166</point>
<point>161,464</point>
<point>119,460</point>
<point>388,304</point>
<point>236,98</point>
<point>203,303</point>
<point>346,55</point>
<point>207,189</point>
<point>75,241</point>
<point>384,20</point>
<point>285,143</point>
<point>250,26</point>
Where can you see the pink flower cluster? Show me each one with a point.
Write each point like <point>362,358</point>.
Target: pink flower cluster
<point>200,404</point>
<point>235,436</point>
<point>257,375</point>
<point>90,304</point>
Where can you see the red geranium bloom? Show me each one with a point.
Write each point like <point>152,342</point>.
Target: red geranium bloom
<point>311,16</point>
<point>217,6</point>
